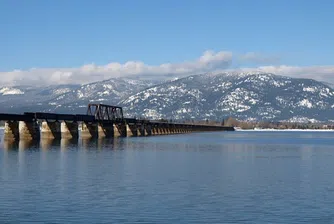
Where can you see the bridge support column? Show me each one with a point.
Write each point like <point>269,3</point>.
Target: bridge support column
<point>120,130</point>
<point>89,130</point>
<point>170,129</point>
<point>142,130</point>
<point>50,130</point>
<point>154,130</point>
<point>161,130</point>
<point>175,129</point>
<point>157,130</point>
<point>69,130</point>
<point>11,131</point>
<point>106,130</point>
<point>29,130</point>
<point>131,130</point>
<point>166,130</point>
<point>148,129</point>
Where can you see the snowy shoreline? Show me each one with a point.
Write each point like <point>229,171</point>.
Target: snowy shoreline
<point>296,130</point>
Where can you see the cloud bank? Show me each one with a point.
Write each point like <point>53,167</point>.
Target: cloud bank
<point>210,61</point>
<point>319,73</point>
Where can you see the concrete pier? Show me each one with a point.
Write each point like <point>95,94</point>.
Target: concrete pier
<point>131,130</point>
<point>160,130</point>
<point>69,130</point>
<point>142,130</point>
<point>50,130</point>
<point>120,130</point>
<point>148,129</point>
<point>173,129</point>
<point>166,129</point>
<point>105,130</point>
<point>89,130</point>
<point>157,130</point>
<point>11,131</point>
<point>29,130</point>
<point>154,130</point>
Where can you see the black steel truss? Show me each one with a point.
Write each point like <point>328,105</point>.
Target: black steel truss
<point>105,112</point>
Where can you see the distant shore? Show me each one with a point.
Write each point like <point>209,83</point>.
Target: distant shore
<point>273,129</point>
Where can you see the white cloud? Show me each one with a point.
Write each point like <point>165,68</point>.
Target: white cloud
<point>258,58</point>
<point>89,73</point>
<point>320,73</point>
<point>209,62</point>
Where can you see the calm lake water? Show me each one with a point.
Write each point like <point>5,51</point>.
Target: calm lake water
<point>220,177</point>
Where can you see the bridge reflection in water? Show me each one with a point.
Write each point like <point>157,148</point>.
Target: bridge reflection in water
<point>64,144</point>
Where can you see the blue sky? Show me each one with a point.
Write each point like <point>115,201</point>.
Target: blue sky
<point>70,34</point>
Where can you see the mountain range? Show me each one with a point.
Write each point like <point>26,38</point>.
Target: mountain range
<point>245,96</point>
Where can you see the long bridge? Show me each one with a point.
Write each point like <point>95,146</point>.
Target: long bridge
<point>100,121</point>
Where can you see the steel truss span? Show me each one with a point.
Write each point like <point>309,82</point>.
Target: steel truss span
<point>105,112</point>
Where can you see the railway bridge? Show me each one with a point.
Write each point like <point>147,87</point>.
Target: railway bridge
<point>100,121</point>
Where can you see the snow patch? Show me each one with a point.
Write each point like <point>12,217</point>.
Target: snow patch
<point>310,89</point>
<point>305,103</point>
<point>61,91</point>
<point>11,91</point>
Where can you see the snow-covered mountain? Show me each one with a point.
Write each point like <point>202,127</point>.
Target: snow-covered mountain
<point>244,96</point>
<point>329,84</point>
<point>208,96</point>
<point>17,98</point>
<point>68,98</point>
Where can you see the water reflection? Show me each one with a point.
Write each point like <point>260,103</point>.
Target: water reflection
<point>10,144</point>
<point>65,144</point>
<point>25,144</point>
<point>102,143</point>
<point>47,144</point>
<point>20,145</point>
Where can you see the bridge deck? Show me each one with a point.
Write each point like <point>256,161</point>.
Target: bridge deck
<point>15,117</point>
<point>60,117</point>
<point>29,116</point>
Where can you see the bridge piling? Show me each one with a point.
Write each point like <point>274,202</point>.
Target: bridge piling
<point>89,130</point>
<point>131,130</point>
<point>106,130</point>
<point>167,130</point>
<point>148,129</point>
<point>120,130</point>
<point>11,131</point>
<point>50,130</point>
<point>69,130</point>
<point>29,130</point>
<point>142,130</point>
<point>154,130</point>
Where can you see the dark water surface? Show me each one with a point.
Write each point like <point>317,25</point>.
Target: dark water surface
<point>221,177</point>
